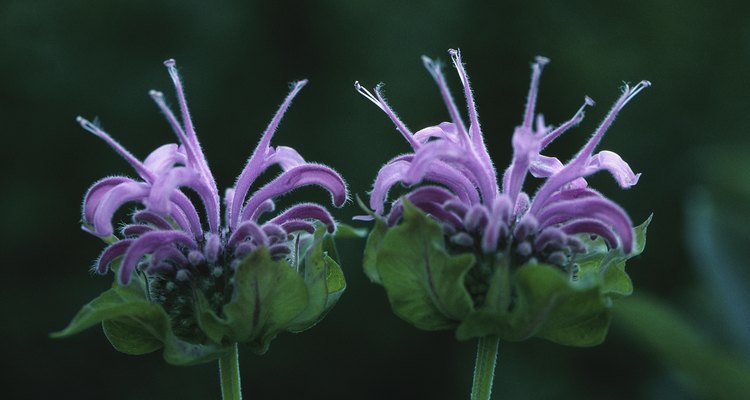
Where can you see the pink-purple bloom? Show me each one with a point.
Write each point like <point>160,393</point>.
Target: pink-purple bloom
<point>454,180</point>
<point>174,236</point>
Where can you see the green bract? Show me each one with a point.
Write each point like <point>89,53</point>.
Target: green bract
<point>269,297</point>
<point>431,287</point>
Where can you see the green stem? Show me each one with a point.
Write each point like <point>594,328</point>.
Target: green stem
<point>229,373</point>
<point>484,368</point>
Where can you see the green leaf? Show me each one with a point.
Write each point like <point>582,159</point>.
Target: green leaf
<point>114,303</point>
<point>136,326</point>
<point>424,284</point>
<point>268,295</point>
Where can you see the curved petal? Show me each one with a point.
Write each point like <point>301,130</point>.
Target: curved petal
<point>96,193</point>
<point>286,157</point>
<point>247,229</point>
<point>169,182</point>
<point>148,217</point>
<point>112,201</point>
<point>597,208</point>
<point>164,158</point>
<point>148,243</point>
<point>306,211</point>
<point>297,225</point>
<point>612,162</point>
<point>454,155</point>
<point>587,225</point>
<point>444,130</point>
<point>388,176</point>
<point>544,167</point>
<point>135,229</point>
<point>109,254</point>
<point>304,175</point>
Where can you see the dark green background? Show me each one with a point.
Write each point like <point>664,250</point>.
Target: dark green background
<point>60,59</point>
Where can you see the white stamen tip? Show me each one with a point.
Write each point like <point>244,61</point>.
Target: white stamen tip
<point>542,61</point>
<point>155,93</point>
<point>589,101</point>
<point>81,120</point>
<point>170,63</point>
<point>357,86</point>
<point>645,83</point>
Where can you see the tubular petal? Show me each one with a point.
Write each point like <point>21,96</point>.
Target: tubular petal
<point>304,175</point>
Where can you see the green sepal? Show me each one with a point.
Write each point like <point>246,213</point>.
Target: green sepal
<point>268,295</point>
<point>135,326</point>
<point>424,284</point>
<point>324,280</point>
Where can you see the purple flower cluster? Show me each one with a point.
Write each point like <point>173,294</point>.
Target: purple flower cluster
<point>475,211</point>
<point>174,237</point>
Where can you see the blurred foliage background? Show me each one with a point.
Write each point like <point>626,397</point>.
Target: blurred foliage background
<point>683,335</point>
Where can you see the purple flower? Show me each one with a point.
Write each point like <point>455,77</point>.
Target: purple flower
<point>175,237</point>
<point>460,188</point>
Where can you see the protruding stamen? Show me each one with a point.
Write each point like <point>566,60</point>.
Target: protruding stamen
<point>366,93</point>
<point>536,73</point>
<point>577,118</point>
<point>635,90</point>
<point>435,69</point>
<point>130,158</point>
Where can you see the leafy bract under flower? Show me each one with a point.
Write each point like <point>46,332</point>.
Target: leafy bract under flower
<point>199,268</point>
<point>453,181</point>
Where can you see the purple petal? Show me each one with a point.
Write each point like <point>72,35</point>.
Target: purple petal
<point>390,174</point>
<point>148,243</point>
<point>245,230</point>
<point>443,131</point>
<point>135,229</point>
<point>306,211</point>
<point>295,225</point>
<point>286,157</point>
<point>597,208</point>
<point>166,184</point>
<point>591,226</point>
<point>450,153</point>
<point>168,253</point>
<point>212,248</point>
<point>96,193</point>
<point>254,166</point>
<point>147,217</point>
<point>185,214</point>
<point>112,201</point>
<point>109,254</point>
<point>164,158</point>
<point>620,170</point>
<point>304,175</point>
<point>265,207</point>
<point>379,101</point>
<point>536,73</point>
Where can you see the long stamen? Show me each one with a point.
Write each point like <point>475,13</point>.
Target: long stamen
<point>158,98</point>
<point>366,93</point>
<point>473,118</point>
<point>405,132</point>
<point>434,68</point>
<point>536,73</point>
<point>627,95</point>
<point>253,168</point>
<point>578,117</point>
<point>130,158</point>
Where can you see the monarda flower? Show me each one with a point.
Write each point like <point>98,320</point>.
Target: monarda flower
<point>465,250</point>
<point>192,282</point>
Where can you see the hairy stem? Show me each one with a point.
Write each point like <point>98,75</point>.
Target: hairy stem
<point>484,368</point>
<point>229,373</point>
